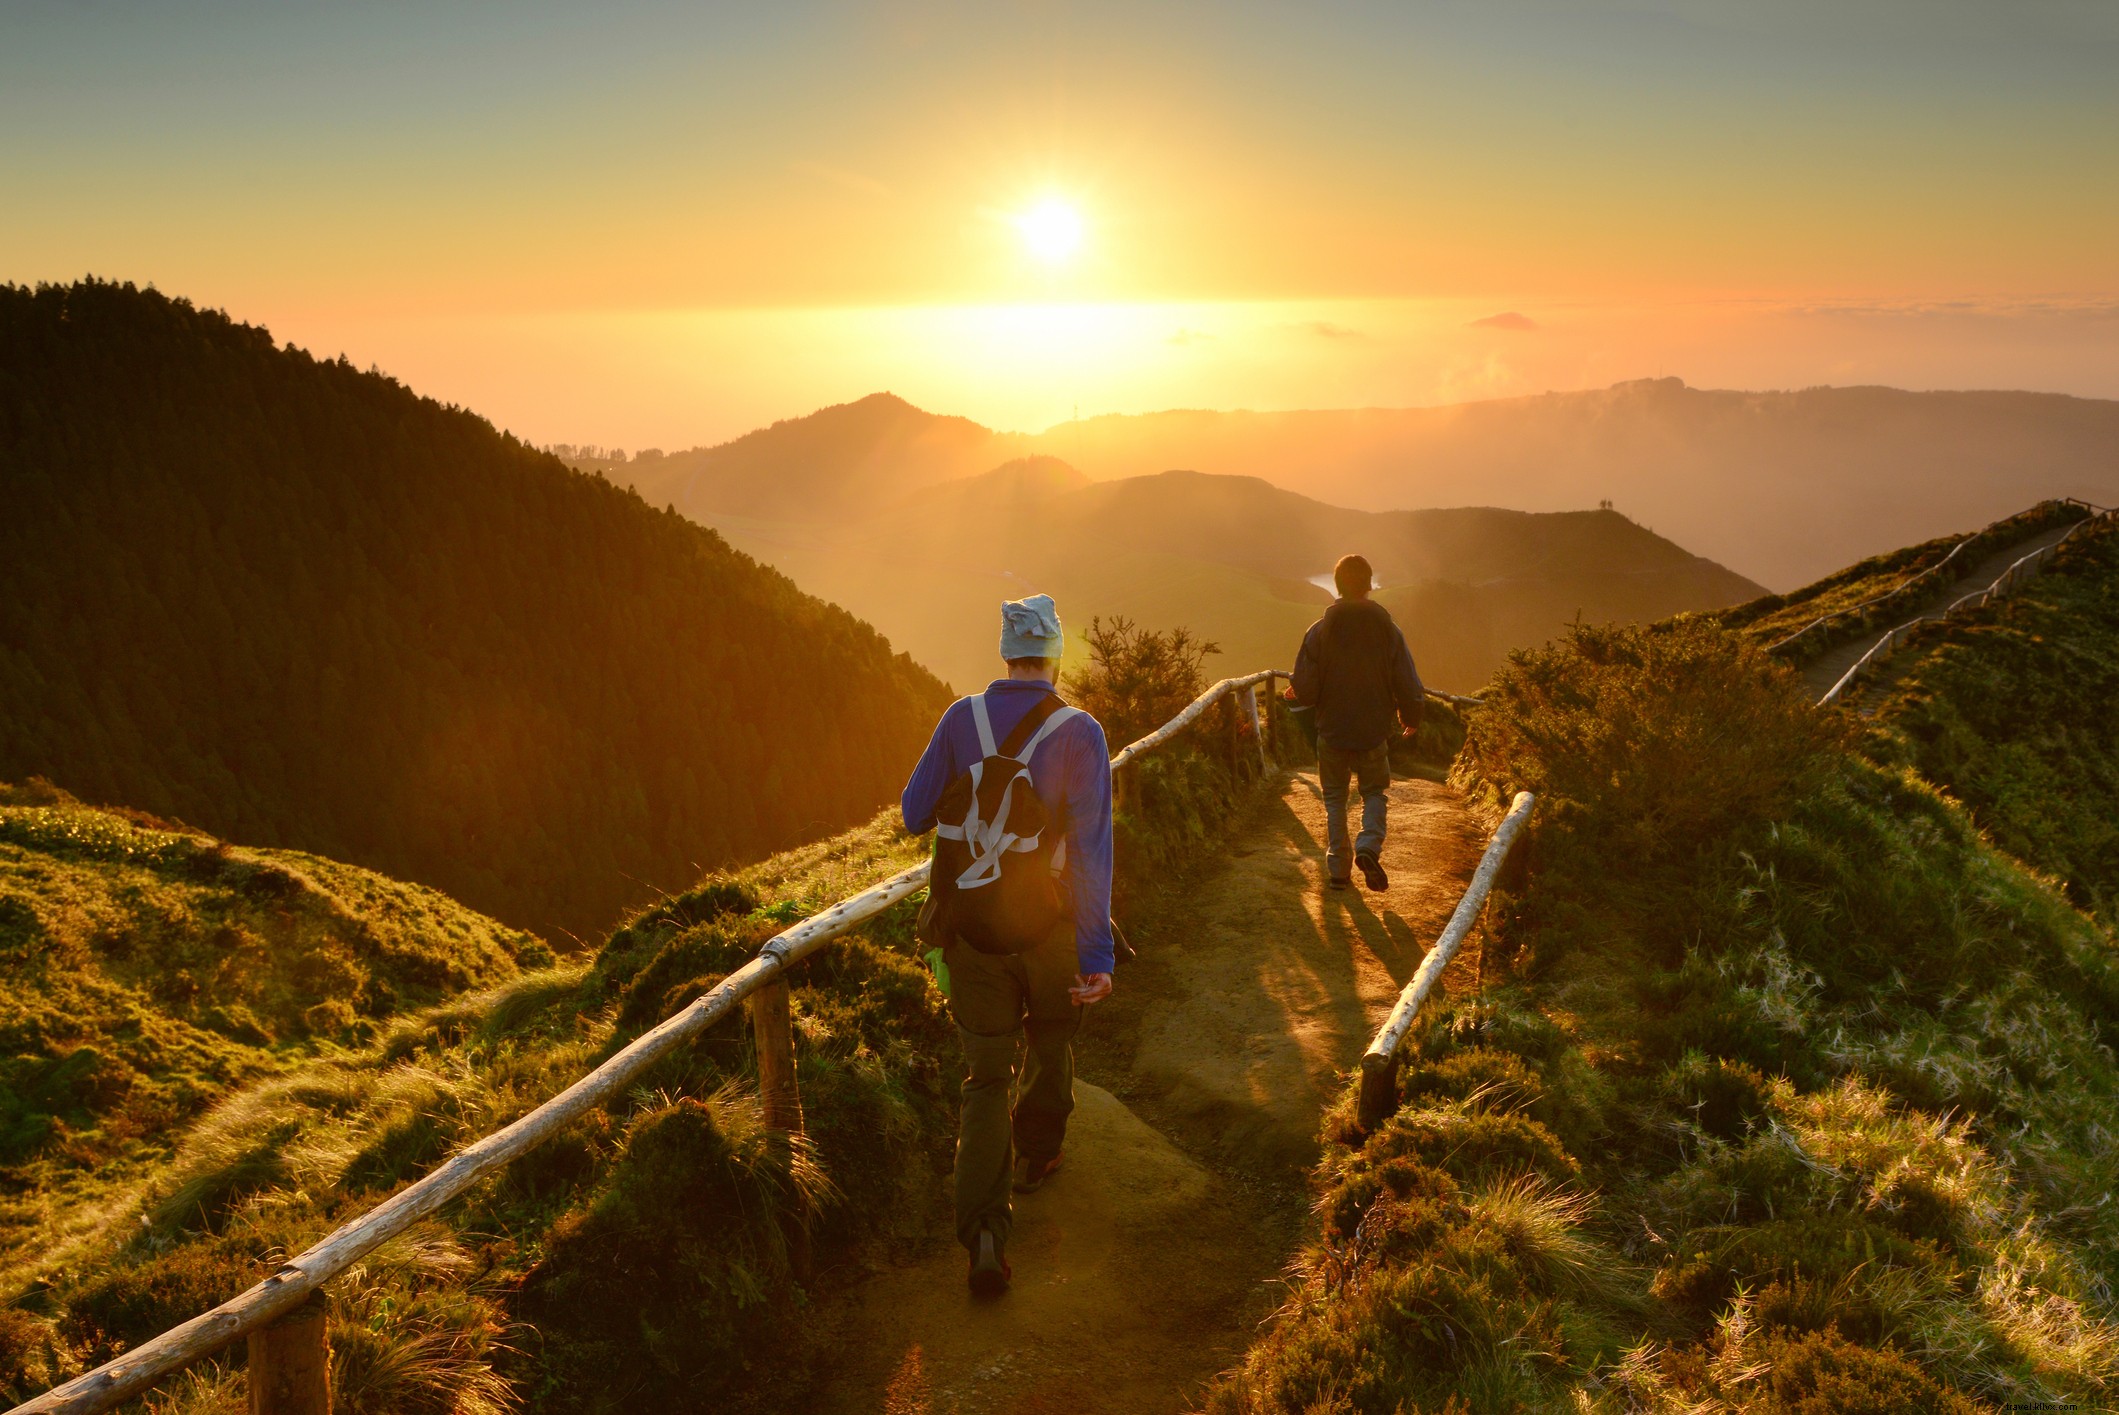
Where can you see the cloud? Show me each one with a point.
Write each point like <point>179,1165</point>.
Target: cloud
<point>1191,336</point>
<point>1520,323</point>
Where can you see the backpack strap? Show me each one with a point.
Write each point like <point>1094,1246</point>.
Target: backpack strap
<point>985,726</point>
<point>1047,706</point>
<point>1045,729</point>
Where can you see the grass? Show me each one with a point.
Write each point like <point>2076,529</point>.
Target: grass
<point>1796,1091</point>
<point>1770,618</point>
<point>639,1261</point>
<point>2008,709</point>
<point>147,970</point>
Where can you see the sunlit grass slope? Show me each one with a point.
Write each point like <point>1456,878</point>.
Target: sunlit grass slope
<point>146,969</point>
<point>1774,617</point>
<point>2011,711</point>
<point>639,1261</point>
<point>1797,1092</point>
<point>628,1263</point>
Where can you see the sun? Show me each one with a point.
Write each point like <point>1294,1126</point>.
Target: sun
<point>1052,230</point>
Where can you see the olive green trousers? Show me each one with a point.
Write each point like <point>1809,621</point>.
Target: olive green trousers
<point>1005,1005</point>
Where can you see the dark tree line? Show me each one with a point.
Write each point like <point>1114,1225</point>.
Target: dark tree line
<point>298,605</point>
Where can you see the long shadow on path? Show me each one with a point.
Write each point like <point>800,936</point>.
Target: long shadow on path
<point>1142,1269</point>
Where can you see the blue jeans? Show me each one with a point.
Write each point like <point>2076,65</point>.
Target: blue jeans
<point>1371,770</point>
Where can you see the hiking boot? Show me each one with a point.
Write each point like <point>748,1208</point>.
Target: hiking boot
<point>990,1273</point>
<point>1035,1173</point>
<point>1372,872</point>
<point>1341,881</point>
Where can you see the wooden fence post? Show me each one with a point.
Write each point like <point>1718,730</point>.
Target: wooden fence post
<point>772,1015</point>
<point>1257,723</point>
<point>290,1363</point>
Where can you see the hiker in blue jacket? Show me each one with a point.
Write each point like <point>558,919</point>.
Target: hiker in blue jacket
<point>1356,671</point>
<point>1064,965</point>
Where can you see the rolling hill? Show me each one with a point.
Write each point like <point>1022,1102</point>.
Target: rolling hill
<point>1782,486</point>
<point>1233,558</point>
<point>300,606</point>
<point>146,970</point>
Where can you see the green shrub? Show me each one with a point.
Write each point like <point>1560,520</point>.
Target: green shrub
<point>1836,1070</point>
<point>1137,678</point>
<point>660,1292</point>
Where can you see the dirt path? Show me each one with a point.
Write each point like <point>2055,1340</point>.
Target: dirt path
<point>1142,1269</point>
<point>1828,668</point>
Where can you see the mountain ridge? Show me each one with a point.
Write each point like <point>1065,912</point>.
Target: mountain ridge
<point>1232,558</point>
<point>1783,485</point>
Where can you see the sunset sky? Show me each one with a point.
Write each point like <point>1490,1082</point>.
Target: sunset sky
<point>638,224</point>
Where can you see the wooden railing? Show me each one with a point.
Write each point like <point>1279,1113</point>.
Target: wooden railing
<point>2024,568</point>
<point>1379,1064</point>
<point>1905,591</point>
<point>286,1336</point>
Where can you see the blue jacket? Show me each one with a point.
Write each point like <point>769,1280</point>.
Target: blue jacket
<point>1356,671</point>
<point>1073,774</point>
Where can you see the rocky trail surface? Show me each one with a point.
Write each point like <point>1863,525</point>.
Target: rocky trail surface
<point>1144,1266</point>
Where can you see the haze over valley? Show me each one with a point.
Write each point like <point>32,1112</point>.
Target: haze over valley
<point>917,521</point>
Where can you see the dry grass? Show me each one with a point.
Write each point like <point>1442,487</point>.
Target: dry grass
<point>1796,1094</point>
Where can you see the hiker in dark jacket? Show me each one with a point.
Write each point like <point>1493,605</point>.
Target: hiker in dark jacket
<point>1039,989</point>
<point>1357,673</point>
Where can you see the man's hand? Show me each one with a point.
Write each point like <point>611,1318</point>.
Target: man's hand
<point>1091,989</point>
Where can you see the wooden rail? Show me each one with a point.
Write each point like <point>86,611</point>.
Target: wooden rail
<point>761,981</point>
<point>1866,611</point>
<point>1379,1064</point>
<point>2023,568</point>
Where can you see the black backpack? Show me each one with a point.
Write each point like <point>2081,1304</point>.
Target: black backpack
<point>994,883</point>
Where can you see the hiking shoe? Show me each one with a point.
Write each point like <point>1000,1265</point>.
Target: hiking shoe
<point>990,1273</point>
<point>1035,1173</point>
<point>1372,872</point>
<point>1341,882</point>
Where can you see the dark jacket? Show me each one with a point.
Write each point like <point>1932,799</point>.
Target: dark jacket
<point>1356,671</point>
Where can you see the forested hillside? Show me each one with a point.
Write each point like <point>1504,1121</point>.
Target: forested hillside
<point>296,604</point>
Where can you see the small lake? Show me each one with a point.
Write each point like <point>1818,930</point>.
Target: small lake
<point>1324,582</point>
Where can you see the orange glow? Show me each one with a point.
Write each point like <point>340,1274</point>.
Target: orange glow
<point>669,229</point>
<point>1052,230</point>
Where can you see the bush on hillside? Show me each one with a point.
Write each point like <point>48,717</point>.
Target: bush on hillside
<point>1656,741</point>
<point>660,1291</point>
<point>1836,1071</point>
<point>1137,678</point>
